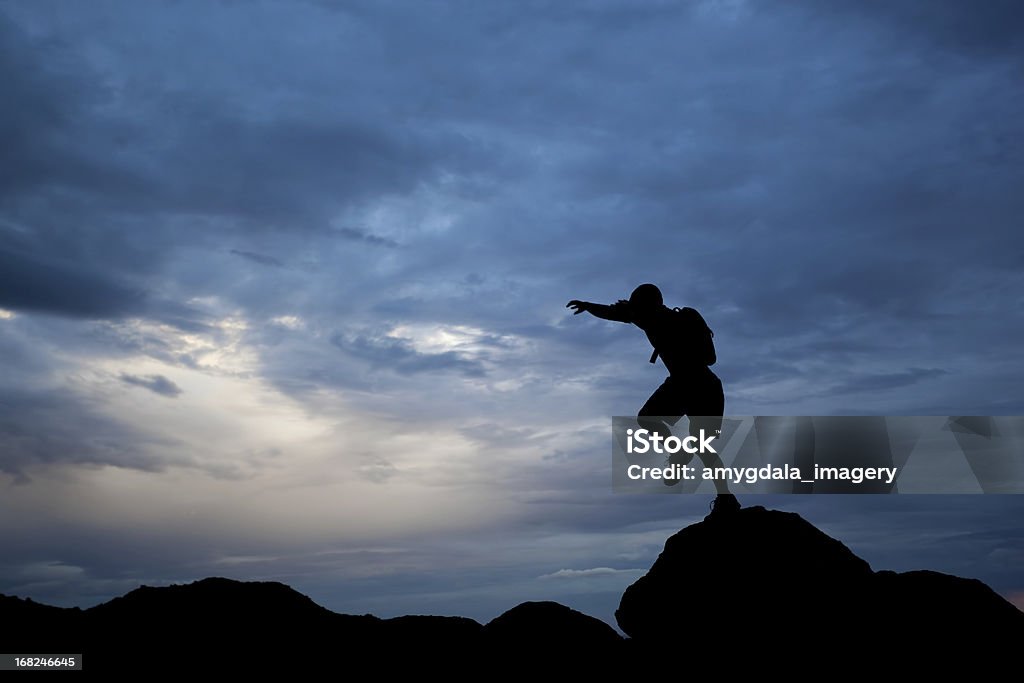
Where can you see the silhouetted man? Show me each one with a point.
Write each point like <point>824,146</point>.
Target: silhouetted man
<point>684,342</point>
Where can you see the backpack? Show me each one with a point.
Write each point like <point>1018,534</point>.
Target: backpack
<point>690,325</point>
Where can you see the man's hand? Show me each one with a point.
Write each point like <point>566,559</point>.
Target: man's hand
<point>619,312</point>
<point>577,306</point>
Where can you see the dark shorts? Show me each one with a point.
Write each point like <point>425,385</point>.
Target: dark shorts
<point>698,395</point>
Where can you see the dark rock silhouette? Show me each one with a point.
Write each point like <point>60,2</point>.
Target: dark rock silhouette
<point>771,561</point>
<point>550,625</point>
<point>747,587</point>
<point>789,587</point>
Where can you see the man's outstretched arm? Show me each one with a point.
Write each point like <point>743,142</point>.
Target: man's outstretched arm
<point>619,312</point>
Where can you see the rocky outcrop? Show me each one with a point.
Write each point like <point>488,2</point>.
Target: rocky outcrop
<point>773,582</point>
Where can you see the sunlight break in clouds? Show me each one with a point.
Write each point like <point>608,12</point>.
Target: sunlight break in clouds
<point>470,342</point>
<point>238,457</point>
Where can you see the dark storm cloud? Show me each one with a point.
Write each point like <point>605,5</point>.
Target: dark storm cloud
<point>988,29</point>
<point>158,384</point>
<point>30,283</point>
<point>189,154</point>
<point>289,171</point>
<point>43,95</point>
<point>172,169</point>
<point>47,428</point>
<point>34,283</point>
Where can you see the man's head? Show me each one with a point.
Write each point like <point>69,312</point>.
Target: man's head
<point>646,297</point>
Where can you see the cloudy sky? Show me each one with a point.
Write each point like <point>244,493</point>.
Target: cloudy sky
<point>282,284</point>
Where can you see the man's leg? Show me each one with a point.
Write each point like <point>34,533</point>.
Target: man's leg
<point>709,407</point>
<point>663,409</point>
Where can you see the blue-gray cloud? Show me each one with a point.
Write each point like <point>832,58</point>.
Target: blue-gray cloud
<point>48,428</point>
<point>261,259</point>
<point>399,355</point>
<point>158,384</point>
<point>363,236</point>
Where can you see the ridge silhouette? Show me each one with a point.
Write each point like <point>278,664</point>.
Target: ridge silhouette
<point>756,584</point>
